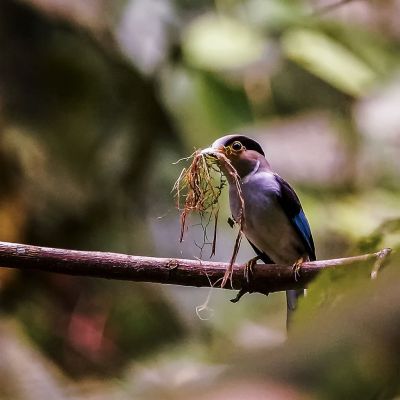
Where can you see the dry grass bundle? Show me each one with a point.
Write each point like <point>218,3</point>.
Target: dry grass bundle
<point>201,185</point>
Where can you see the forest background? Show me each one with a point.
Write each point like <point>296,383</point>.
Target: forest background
<point>99,98</point>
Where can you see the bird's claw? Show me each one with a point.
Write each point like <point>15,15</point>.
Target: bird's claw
<point>297,267</point>
<point>248,273</point>
<point>240,294</point>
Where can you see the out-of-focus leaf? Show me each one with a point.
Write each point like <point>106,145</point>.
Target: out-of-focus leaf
<point>205,105</point>
<point>379,53</point>
<point>92,14</point>
<point>273,14</point>
<point>378,119</point>
<point>357,216</point>
<point>143,33</point>
<point>387,232</point>
<point>329,60</point>
<point>216,43</point>
<point>326,292</point>
<point>227,106</point>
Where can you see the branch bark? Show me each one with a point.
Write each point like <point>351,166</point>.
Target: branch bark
<point>266,278</point>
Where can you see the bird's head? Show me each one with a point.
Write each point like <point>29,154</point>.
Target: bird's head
<point>245,154</point>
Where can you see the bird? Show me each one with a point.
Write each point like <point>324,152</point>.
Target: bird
<point>274,222</point>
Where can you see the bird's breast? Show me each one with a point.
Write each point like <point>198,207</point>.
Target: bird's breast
<point>265,223</point>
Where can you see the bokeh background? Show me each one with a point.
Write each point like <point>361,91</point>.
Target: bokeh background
<point>99,98</point>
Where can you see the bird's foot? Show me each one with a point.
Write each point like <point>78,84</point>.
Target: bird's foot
<point>249,268</point>
<point>240,294</point>
<point>297,267</point>
<point>248,273</point>
<point>245,289</point>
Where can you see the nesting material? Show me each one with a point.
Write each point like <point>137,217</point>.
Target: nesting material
<point>198,189</point>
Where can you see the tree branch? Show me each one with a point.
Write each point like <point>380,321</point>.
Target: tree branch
<point>266,278</point>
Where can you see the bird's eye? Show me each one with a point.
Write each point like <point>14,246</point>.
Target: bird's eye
<point>237,146</point>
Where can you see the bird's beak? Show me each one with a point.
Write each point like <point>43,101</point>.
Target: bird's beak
<point>212,151</point>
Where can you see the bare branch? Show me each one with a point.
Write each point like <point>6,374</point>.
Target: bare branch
<point>266,278</point>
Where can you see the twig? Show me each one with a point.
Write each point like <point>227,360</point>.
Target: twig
<point>379,262</point>
<point>266,278</point>
<point>195,183</point>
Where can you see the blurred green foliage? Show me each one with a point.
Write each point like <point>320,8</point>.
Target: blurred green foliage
<point>98,99</point>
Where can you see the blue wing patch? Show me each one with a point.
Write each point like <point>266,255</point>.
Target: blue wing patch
<point>291,206</point>
<point>302,226</point>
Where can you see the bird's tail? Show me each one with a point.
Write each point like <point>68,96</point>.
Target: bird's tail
<point>292,297</point>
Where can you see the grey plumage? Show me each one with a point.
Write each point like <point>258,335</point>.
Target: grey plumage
<point>265,223</point>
